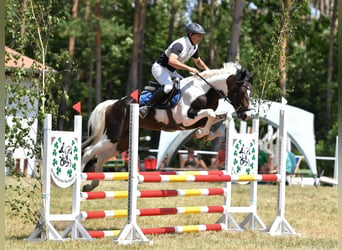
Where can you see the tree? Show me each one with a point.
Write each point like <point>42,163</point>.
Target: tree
<point>211,35</point>
<point>66,87</point>
<point>283,52</point>
<point>235,31</point>
<point>98,82</point>
<point>330,65</point>
<point>38,90</point>
<point>134,76</point>
<point>172,20</point>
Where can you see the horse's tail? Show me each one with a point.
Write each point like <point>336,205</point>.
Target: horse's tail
<point>96,123</point>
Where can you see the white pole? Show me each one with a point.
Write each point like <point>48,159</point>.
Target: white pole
<point>280,226</point>
<point>131,233</point>
<point>254,184</point>
<point>336,163</point>
<point>243,127</point>
<point>133,147</point>
<point>282,165</point>
<point>47,175</point>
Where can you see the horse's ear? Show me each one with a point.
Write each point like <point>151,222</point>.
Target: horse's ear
<point>241,74</point>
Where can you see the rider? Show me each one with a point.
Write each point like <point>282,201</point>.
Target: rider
<point>174,57</point>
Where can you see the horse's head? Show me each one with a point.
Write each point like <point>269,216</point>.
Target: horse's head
<point>239,92</point>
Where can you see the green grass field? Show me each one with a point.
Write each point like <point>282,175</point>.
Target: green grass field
<point>311,211</point>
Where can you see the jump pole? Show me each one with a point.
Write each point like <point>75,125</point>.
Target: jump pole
<point>131,233</point>
<point>280,225</point>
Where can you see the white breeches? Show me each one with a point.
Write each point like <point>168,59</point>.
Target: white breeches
<point>164,76</point>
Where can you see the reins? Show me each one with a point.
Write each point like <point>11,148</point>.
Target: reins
<point>218,91</point>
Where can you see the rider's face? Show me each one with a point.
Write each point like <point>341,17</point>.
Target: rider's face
<point>196,38</point>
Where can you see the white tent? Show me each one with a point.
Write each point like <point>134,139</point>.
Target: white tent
<point>300,126</point>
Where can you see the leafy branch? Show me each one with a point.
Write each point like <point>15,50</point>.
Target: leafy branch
<point>29,97</point>
<point>266,86</point>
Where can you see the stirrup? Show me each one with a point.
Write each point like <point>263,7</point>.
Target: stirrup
<point>143,111</point>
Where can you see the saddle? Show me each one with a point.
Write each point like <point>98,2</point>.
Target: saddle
<point>170,101</point>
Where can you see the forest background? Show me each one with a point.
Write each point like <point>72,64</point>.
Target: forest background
<point>104,49</point>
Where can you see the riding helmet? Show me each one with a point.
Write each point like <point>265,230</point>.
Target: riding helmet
<point>194,28</point>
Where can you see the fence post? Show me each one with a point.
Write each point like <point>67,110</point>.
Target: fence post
<point>131,233</point>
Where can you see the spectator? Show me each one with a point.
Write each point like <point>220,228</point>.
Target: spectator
<point>220,160</point>
<point>163,164</point>
<point>290,162</point>
<point>265,162</point>
<point>192,161</point>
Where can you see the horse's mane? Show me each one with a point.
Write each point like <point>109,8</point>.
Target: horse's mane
<point>228,69</point>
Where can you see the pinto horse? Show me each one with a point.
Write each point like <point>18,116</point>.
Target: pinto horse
<point>108,125</point>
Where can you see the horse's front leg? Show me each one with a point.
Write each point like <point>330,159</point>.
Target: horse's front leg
<point>93,150</point>
<point>221,129</point>
<point>101,160</point>
<point>203,113</point>
<point>107,152</point>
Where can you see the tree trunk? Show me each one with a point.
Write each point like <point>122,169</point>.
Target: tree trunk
<point>23,27</point>
<point>98,82</point>
<point>172,21</point>
<point>91,65</point>
<point>283,52</point>
<point>330,65</point>
<point>211,35</point>
<point>233,54</point>
<point>66,87</point>
<point>141,45</point>
<point>72,39</point>
<point>200,11</point>
<point>137,50</point>
<point>90,83</point>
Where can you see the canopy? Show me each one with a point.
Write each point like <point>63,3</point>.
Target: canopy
<point>300,126</point>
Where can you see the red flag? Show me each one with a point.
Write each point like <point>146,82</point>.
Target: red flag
<point>135,94</point>
<point>77,107</point>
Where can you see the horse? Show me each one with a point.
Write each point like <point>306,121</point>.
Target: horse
<point>108,124</point>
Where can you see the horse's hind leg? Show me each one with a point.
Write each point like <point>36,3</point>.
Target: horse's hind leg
<point>101,159</point>
<point>93,150</point>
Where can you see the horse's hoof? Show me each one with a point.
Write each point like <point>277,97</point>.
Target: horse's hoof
<point>198,134</point>
<point>86,188</point>
<point>219,113</point>
<point>211,136</point>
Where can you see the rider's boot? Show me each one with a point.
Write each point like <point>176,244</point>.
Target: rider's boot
<point>156,98</point>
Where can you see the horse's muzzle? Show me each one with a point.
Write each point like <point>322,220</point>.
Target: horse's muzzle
<point>245,115</point>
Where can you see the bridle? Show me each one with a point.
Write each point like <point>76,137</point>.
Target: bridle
<point>219,92</point>
<point>239,108</point>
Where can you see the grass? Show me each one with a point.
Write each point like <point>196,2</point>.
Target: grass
<point>312,212</point>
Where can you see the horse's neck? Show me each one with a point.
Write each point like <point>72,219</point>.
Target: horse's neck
<point>213,78</point>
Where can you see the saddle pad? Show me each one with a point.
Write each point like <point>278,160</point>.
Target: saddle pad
<point>146,95</point>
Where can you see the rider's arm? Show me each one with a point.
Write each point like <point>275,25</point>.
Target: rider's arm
<point>200,64</point>
<point>174,62</point>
